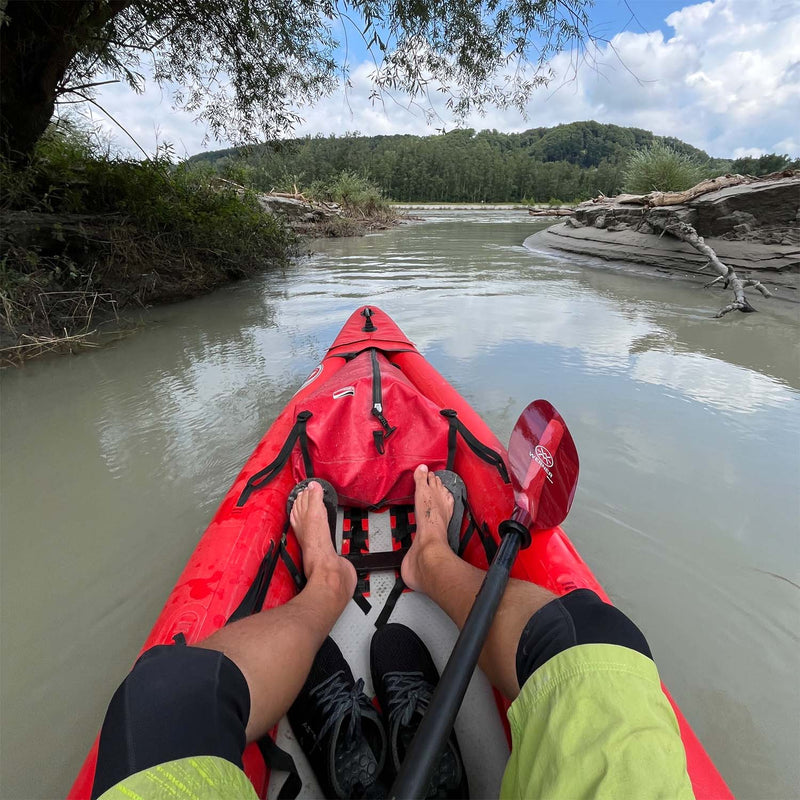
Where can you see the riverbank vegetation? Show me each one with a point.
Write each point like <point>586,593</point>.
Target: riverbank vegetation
<point>566,163</point>
<point>86,234</point>
<point>661,168</point>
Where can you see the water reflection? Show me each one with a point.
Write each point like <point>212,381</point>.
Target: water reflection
<point>727,387</point>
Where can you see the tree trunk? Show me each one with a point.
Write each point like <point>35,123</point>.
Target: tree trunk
<point>37,43</point>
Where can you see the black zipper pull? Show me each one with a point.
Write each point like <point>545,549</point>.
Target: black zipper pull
<point>377,405</point>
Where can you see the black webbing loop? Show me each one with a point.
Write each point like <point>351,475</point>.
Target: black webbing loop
<point>391,602</point>
<point>280,760</point>
<point>481,450</point>
<point>264,476</point>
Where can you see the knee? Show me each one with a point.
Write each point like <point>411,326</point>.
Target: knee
<point>169,676</point>
<point>579,617</point>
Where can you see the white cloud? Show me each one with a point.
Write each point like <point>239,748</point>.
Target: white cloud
<point>727,80</point>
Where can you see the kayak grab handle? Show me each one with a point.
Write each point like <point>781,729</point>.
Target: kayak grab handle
<point>369,325</point>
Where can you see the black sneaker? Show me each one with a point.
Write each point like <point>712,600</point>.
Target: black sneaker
<point>338,728</point>
<point>404,677</point>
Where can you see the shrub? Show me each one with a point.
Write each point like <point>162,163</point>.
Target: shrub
<point>355,193</point>
<point>135,231</point>
<point>660,168</point>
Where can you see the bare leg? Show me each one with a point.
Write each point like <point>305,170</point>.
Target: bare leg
<point>274,649</point>
<point>433,568</point>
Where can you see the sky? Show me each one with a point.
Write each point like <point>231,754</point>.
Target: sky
<point>722,75</point>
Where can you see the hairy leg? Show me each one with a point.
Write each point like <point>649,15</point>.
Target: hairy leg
<point>274,649</point>
<point>433,568</point>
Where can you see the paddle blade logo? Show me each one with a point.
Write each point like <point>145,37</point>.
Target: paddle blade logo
<point>541,455</point>
<point>543,465</point>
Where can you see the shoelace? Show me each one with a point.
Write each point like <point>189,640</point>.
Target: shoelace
<point>408,692</point>
<point>336,698</point>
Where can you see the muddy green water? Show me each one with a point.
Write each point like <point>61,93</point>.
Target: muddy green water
<point>688,429</point>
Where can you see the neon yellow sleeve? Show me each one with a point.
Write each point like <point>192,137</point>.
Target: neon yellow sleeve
<point>593,722</point>
<point>195,778</point>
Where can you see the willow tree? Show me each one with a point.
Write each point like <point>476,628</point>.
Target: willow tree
<point>243,66</point>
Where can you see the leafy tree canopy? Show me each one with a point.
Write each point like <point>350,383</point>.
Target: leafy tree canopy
<point>243,65</point>
<point>567,162</point>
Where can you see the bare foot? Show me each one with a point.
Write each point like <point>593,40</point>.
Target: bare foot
<point>309,520</point>
<point>433,507</point>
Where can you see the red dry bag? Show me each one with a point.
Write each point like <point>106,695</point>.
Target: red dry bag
<point>369,429</point>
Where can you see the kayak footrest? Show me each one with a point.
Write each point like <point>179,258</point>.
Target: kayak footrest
<point>377,562</point>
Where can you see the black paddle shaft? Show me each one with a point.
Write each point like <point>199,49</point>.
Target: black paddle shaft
<point>431,737</point>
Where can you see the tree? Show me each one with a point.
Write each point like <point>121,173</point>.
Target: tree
<point>244,65</point>
<point>763,165</point>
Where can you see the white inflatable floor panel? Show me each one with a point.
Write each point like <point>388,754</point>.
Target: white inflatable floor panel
<point>478,727</point>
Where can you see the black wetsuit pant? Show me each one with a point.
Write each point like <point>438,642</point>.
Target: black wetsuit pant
<point>181,701</point>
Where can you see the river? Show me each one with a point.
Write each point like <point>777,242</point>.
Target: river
<point>688,429</point>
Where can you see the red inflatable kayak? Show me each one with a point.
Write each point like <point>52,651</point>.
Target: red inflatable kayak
<point>371,411</point>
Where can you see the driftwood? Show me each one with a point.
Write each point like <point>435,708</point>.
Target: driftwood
<point>729,279</point>
<point>295,195</point>
<point>551,212</point>
<point>673,219</point>
<point>654,199</point>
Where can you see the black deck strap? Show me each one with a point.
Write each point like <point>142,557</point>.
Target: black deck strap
<point>355,533</point>
<point>280,760</point>
<point>268,473</point>
<point>401,534</point>
<point>179,639</point>
<point>481,450</point>
<point>361,601</point>
<point>297,576</point>
<point>391,602</point>
<point>381,561</point>
<point>403,527</point>
<point>489,544</point>
<point>257,593</point>
<point>465,539</point>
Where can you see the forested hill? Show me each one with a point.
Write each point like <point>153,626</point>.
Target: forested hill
<point>567,162</point>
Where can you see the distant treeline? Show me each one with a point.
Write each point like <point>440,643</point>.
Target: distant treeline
<point>567,162</point>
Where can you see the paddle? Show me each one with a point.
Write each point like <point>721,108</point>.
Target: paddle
<point>543,465</point>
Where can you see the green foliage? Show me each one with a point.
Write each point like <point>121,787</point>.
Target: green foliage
<point>355,193</point>
<point>245,65</point>
<point>69,174</point>
<point>763,165</point>
<point>660,167</point>
<point>573,162</point>
<point>112,230</point>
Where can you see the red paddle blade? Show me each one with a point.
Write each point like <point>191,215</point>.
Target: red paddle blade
<point>543,461</point>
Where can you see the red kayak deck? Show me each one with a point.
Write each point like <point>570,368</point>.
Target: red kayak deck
<point>227,558</point>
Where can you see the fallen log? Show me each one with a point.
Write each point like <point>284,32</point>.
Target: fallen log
<point>730,280</point>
